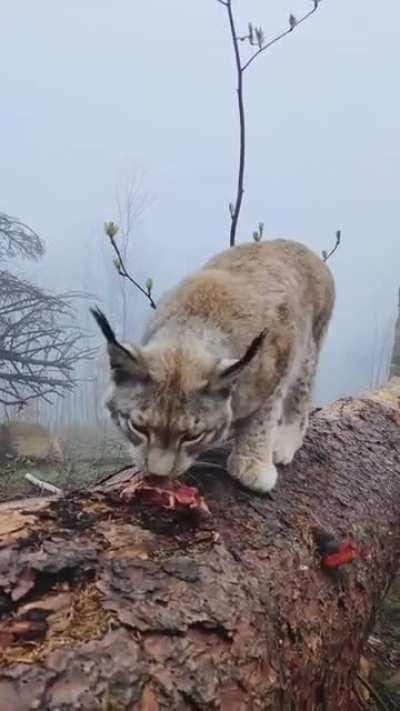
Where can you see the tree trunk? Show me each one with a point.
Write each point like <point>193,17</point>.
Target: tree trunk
<point>395,360</point>
<point>110,605</point>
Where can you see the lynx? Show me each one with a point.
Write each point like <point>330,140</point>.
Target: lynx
<point>232,351</point>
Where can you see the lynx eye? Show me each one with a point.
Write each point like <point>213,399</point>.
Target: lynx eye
<point>138,429</point>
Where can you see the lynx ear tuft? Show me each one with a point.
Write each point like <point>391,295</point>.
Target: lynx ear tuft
<point>103,325</point>
<point>126,362</point>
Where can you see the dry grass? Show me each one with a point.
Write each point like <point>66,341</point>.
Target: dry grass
<point>89,453</point>
<point>383,653</point>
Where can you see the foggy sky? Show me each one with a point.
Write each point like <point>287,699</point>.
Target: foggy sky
<point>93,90</point>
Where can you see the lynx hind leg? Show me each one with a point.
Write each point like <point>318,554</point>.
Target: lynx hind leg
<point>295,415</point>
<point>289,439</point>
<point>251,461</point>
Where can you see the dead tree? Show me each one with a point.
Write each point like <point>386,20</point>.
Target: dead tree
<point>18,240</point>
<point>40,343</point>
<point>109,604</point>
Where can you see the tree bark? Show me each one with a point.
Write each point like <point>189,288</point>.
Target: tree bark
<point>108,605</point>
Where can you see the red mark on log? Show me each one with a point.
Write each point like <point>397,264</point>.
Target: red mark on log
<point>346,552</point>
<point>334,553</point>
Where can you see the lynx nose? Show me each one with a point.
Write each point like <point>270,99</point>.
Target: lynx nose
<point>160,462</point>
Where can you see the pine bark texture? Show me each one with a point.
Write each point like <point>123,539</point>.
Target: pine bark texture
<point>111,605</point>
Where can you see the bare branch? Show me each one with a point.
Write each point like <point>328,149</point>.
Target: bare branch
<point>132,200</point>
<point>327,255</point>
<point>293,24</point>
<point>111,230</point>
<point>254,37</point>
<point>44,485</point>
<point>18,240</point>
<point>235,209</point>
<point>122,271</point>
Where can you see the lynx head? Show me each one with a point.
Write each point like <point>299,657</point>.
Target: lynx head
<point>170,401</point>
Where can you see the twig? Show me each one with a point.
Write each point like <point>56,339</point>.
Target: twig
<point>364,706</point>
<point>235,208</point>
<point>327,255</point>
<point>242,122</point>
<point>283,34</point>
<point>377,697</point>
<point>44,485</point>
<point>122,271</point>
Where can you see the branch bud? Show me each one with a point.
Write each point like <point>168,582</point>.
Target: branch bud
<point>111,229</point>
<point>259,36</point>
<point>149,285</point>
<point>251,33</point>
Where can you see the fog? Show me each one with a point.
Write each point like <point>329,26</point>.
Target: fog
<point>94,92</point>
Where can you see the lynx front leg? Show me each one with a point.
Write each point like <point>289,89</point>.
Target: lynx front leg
<point>251,461</point>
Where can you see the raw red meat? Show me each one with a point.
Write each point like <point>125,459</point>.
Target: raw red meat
<point>166,493</point>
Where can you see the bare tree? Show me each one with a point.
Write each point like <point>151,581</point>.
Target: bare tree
<point>40,343</point>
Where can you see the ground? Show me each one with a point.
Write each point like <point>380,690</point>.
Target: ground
<point>89,454</point>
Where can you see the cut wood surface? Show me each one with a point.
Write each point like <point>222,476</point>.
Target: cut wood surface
<point>108,604</point>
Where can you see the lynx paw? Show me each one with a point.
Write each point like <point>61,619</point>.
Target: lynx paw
<point>252,473</point>
<point>289,439</point>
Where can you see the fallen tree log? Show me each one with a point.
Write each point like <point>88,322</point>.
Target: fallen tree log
<point>108,604</point>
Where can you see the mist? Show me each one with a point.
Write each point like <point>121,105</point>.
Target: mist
<point>96,93</point>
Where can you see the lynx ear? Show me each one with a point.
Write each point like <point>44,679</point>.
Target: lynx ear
<point>126,362</point>
<point>228,369</point>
